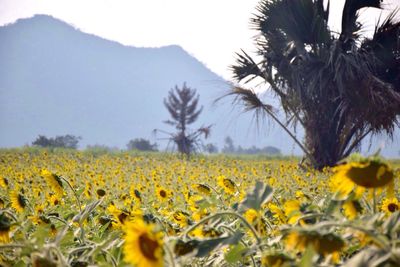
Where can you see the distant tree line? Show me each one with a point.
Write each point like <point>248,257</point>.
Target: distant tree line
<point>229,148</point>
<point>141,144</point>
<point>61,141</point>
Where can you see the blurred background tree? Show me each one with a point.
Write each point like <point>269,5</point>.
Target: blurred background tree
<point>141,144</point>
<point>182,105</point>
<point>62,141</point>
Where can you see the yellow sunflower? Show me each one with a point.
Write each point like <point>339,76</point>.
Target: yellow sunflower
<point>18,201</point>
<point>324,244</point>
<point>120,216</point>
<point>163,194</point>
<point>54,182</point>
<point>351,209</point>
<point>256,219</point>
<point>181,218</point>
<point>227,184</point>
<point>54,200</point>
<point>390,205</point>
<point>292,211</point>
<point>276,260</point>
<point>202,188</point>
<point>3,182</point>
<point>136,194</point>
<point>277,212</point>
<point>251,215</point>
<point>360,175</point>
<point>5,227</point>
<point>143,245</point>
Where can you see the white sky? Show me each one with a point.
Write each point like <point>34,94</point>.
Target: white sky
<point>210,30</point>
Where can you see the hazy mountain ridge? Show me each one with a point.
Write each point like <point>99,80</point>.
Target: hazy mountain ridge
<point>56,80</point>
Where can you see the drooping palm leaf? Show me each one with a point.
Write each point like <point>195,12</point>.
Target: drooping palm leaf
<point>340,88</point>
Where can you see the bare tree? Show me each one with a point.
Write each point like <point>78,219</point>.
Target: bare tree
<point>182,105</point>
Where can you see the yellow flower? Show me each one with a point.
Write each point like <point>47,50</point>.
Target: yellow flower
<point>276,260</point>
<point>292,211</point>
<point>200,214</point>
<point>53,181</point>
<point>136,195</point>
<point>143,246</point>
<point>251,215</point>
<point>18,201</point>
<point>181,218</point>
<point>390,205</point>
<point>324,244</point>
<point>163,194</point>
<point>277,212</point>
<point>351,209</point>
<point>54,200</point>
<point>227,184</point>
<point>366,173</point>
<point>3,182</point>
<point>120,216</point>
<point>203,189</point>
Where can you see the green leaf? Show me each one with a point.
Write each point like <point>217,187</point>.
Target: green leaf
<point>20,263</point>
<point>41,234</point>
<point>307,259</point>
<point>236,253</point>
<point>204,247</point>
<point>333,206</point>
<point>392,224</point>
<point>260,194</point>
<point>182,248</point>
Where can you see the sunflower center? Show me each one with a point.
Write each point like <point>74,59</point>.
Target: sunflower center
<point>21,201</point>
<point>148,247</point>
<point>137,194</point>
<point>4,223</point>
<point>392,207</point>
<point>163,193</point>
<point>122,216</point>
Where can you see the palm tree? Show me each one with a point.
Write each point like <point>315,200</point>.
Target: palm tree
<point>339,86</point>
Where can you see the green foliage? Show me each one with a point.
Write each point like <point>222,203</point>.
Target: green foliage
<point>61,141</point>
<point>141,144</point>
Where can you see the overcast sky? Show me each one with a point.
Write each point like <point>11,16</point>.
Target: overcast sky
<point>210,30</point>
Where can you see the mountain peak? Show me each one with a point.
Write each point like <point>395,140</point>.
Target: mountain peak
<point>57,80</point>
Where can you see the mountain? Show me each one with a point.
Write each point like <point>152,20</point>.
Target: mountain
<point>57,80</point>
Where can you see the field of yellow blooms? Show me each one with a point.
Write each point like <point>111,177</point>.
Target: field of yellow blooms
<point>77,208</point>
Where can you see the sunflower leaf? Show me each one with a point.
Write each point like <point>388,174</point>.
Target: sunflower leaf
<point>236,253</point>
<point>260,194</point>
<point>204,247</point>
<point>392,224</point>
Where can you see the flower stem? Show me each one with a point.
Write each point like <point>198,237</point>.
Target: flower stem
<point>374,200</point>
<point>73,190</point>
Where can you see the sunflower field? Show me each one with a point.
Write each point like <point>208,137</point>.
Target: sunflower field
<point>76,208</point>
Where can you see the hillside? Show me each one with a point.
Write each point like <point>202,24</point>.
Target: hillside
<point>56,80</point>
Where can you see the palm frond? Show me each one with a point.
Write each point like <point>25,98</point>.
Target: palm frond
<point>385,47</point>
<point>245,68</point>
<point>350,26</point>
<point>304,20</point>
<point>249,99</point>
